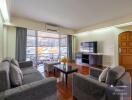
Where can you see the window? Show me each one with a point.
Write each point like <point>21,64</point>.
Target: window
<point>48,46</point>
<point>63,46</point>
<point>43,46</point>
<point>31,46</point>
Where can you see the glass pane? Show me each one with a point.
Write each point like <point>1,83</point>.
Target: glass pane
<point>63,41</point>
<point>63,52</point>
<point>42,41</point>
<point>31,46</point>
<point>31,57</point>
<point>31,50</point>
<point>63,46</point>
<point>31,33</point>
<point>48,35</point>
<point>48,46</point>
<point>31,41</point>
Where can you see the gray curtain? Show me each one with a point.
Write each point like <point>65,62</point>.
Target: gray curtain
<point>69,47</point>
<point>21,41</point>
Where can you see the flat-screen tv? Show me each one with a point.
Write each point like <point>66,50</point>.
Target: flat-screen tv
<point>89,47</point>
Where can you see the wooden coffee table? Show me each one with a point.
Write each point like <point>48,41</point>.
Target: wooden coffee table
<point>65,69</point>
<point>49,65</point>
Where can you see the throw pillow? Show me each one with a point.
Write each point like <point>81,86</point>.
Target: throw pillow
<point>114,74</point>
<point>6,59</point>
<point>16,75</point>
<point>15,62</point>
<point>102,77</point>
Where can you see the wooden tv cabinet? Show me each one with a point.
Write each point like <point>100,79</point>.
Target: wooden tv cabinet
<point>93,59</point>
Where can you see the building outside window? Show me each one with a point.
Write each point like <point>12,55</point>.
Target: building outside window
<point>44,46</point>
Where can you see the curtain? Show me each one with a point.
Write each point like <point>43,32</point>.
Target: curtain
<point>21,41</point>
<point>69,47</point>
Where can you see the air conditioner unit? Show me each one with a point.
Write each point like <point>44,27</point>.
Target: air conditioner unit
<point>52,28</point>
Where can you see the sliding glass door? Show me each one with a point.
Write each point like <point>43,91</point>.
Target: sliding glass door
<point>63,46</point>
<point>31,53</point>
<point>48,46</point>
<point>43,46</point>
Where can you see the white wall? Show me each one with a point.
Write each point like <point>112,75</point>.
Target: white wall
<point>9,41</point>
<point>107,39</point>
<point>1,39</point>
<point>9,36</point>
<point>40,26</point>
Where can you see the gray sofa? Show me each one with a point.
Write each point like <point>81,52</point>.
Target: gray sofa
<point>89,88</point>
<point>34,86</point>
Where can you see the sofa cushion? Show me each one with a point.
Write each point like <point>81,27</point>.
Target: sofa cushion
<point>32,77</point>
<point>15,62</point>
<point>28,70</point>
<point>125,79</point>
<point>4,76</point>
<point>114,74</point>
<point>102,76</point>
<point>16,75</point>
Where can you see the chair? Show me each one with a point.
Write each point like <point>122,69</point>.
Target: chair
<point>89,88</point>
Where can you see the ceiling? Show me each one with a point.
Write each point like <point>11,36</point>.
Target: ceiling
<point>73,14</point>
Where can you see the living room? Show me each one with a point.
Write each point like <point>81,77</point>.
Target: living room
<point>60,50</point>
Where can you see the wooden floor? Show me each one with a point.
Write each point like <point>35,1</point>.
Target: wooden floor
<point>65,92</point>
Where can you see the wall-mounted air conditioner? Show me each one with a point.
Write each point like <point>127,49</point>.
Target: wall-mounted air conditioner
<point>52,28</point>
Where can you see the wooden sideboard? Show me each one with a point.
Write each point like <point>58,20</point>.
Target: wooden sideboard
<point>93,59</point>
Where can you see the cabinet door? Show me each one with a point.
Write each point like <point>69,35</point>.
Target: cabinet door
<point>95,59</point>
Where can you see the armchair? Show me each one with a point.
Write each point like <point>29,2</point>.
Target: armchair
<point>89,88</point>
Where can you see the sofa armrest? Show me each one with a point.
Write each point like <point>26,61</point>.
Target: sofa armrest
<point>95,72</point>
<point>39,90</point>
<point>86,87</point>
<point>25,64</point>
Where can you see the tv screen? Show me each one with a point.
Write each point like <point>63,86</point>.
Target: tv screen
<point>90,47</point>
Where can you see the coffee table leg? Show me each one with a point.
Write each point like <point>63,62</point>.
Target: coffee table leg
<point>54,71</point>
<point>66,79</point>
